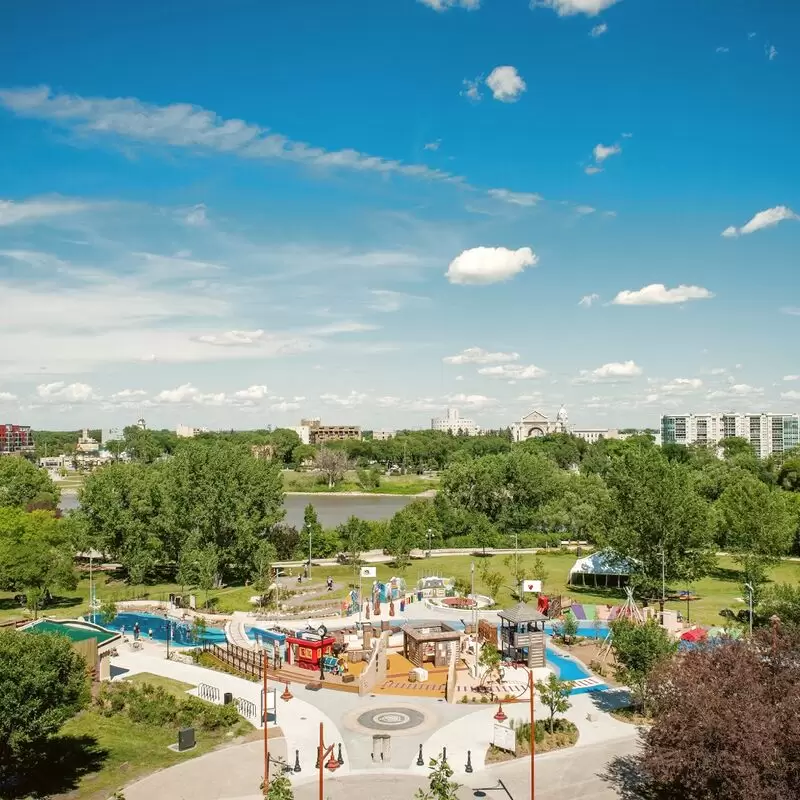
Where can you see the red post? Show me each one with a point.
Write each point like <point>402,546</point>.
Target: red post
<point>321,760</point>
<point>266,736</point>
<point>533,737</point>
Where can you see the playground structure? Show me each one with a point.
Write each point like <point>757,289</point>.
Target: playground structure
<point>522,635</point>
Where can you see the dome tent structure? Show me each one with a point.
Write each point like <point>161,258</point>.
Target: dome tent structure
<point>603,569</point>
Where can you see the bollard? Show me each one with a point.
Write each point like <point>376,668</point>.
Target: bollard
<point>297,761</point>
<point>319,758</point>
<point>444,755</point>
<point>468,768</point>
<point>339,755</point>
<point>420,759</point>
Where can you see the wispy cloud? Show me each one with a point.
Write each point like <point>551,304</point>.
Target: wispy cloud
<point>588,300</point>
<point>657,294</point>
<point>598,30</point>
<point>434,145</point>
<point>567,8</point>
<point>515,198</point>
<point>513,372</point>
<point>477,355</point>
<point>471,89</point>
<point>386,300</point>
<point>771,51</point>
<point>613,372</point>
<point>601,152</point>
<point>763,219</point>
<point>444,5</point>
<point>14,213</point>
<point>188,126</point>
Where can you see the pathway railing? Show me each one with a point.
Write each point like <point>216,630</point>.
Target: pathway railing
<point>243,660</point>
<point>206,691</point>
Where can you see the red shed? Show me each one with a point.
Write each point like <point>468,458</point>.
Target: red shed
<point>307,649</point>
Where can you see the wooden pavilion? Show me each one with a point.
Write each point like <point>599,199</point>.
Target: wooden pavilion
<point>522,635</point>
<point>430,643</point>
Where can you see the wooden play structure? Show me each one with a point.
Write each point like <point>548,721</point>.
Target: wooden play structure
<point>522,635</point>
<point>306,649</point>
<point>434,643</point>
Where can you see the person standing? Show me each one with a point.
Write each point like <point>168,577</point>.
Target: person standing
<point>136,631</point>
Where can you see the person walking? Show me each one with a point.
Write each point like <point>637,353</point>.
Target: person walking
<point>136,631</point>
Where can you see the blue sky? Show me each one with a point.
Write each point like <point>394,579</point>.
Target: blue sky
<point>237,214</point>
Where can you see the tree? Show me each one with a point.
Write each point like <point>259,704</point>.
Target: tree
<point>286,539</point>
<point>493,581</point>
<point>284,441</point>
<point>657,519</point>
<point>303,453</point>
<point>207,565</point>
<point>491,659</point>
<point>108,612</point>
<point>580,509</point>
<point>141,444</point>
<point>554,695</point>
<point>737,710</point>
<point>354,535</point>
<point>262,576</point>
<point>781,600</point>
<point>789,475</point>
<point>440,785</point>
<point>311,526</point>
<point>280,788</point>
<point>35,555</point>
<point>368,478</point>
<point>638,648</point>
<point>43,682</point>
<point>332,464</point>
<point>757,525</point>
<point>22,483</point>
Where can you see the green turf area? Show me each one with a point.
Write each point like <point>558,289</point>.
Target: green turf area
<point>294,481</point>
<point>718,591</point>
<point>95,755</point>
<point>178,688</point>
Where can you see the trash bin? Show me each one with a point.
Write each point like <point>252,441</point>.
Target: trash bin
<point>227,698</point>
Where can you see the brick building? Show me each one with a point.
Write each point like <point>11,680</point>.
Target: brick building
<point>15,439</point>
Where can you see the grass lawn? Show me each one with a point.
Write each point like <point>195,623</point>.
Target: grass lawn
<point>294,481</point>
<point>718,591</point>
<point>178,688</point>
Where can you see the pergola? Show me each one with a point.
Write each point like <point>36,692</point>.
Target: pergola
<point>432,642</point>
<point>522,635</point>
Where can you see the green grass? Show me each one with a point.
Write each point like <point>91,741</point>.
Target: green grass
<point>718,591</point>
<point>94,755</point>
<point>294,481</point>
<point>178,688</point>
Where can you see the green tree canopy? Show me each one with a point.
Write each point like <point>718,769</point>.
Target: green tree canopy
<point>23,483</point>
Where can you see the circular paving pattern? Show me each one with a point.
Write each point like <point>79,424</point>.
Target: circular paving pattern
<point>391,719</point>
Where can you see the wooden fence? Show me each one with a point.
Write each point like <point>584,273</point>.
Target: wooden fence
<point>243,660</point>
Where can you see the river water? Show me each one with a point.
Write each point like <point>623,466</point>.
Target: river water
<point>332,509</point>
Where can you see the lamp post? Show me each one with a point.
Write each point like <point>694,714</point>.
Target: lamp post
<point>749,588</point>
<point>266,736</point>
<point>429,542</point>
<point>533,736</point>
<point>332,763</point>
<point>309,551</point>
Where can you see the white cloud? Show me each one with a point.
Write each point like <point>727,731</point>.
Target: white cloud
<point>793,311</point>
<point>516,372</point>
<point>187,393</point>
<point>387,301</point>
<point>658,294</point>
<point>722,50</point>
<point>459,377</point>
<point>506,84</point>
<point>128,394</point>
<point>681,386</point>
<point>232,338</point>
<point>284,405</point>
<point>471,89</point>
<point>791,395</point>
<point>566,8</point>
<point>185,125</point>
<point>252,393</point>
<point>627,136</point>
<point>353,399</point>
<point>65,393</point>
<point>598,30</point>
<point>611,372</point>
<point>735,390</point>
<point>443,5</point>
<point>588,299</point>
<point>791,377</point>
<point>601,152</point>
<point>515,198</point>
<point>12,213</point>
<point>7,397</point>
<point>477,355</point>
<point>592,170</point>
<point>584,210</point>
<point>718,371</point>
<point>471,401</point>
<point>434,145</point>
<point>483,265</point>
<point>196,216</point>
<point>771,51</point>
<point>764,219</point>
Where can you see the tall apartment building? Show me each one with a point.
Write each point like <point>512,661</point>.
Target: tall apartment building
<point>15,439</point>
<point>312,431</point>
<point>767,433</point>
<point>454,423</point>
<point>188,431</point>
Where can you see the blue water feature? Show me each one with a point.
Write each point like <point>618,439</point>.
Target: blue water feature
<point>180,633</point>
<point>586,629</point>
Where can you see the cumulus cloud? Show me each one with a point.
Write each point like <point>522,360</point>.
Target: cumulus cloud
<point>65,393</point>
<point>256,392</point>
<point>188,126</point>
<point>477,355</point>
<point>506,84</point>
<point>790,395</point>
<point>483,265</point>
<point>791,377</point>
<point>443,5</point>
<point>567,8</point>
<point>735,390</point>
<point>764,219</point>
<point>601,152</point>
<point>515,198</point>
<point>598,30</point>
<point>614,371</point>
<point>232,338</point>
<point>7,397</point>
<point>471,401</point>
<point>657,294</point>
<point>187,393</point>
<point>128,394</point>
<point>681,386</point>
<point>284,405</point>
<point>353,399</point>
<point>14,213</point>
<point>516,372</point>
<point>588,300</point>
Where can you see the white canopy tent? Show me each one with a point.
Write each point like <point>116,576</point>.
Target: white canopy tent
<point>601,569</point>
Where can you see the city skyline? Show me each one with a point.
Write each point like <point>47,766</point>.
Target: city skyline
<point>369,217</point>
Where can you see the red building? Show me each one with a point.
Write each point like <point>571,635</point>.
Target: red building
<point>15,439</point>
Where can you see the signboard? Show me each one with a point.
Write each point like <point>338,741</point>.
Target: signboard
<point>369,572</point>
<point>531,586</point>
<point>504,738</point>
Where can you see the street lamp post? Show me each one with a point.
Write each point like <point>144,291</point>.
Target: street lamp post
<point>309,551</point>
<point>749,588</point>
<point>533,736</point>
<point>321,754</point>
<point>266,736</point>
<point>429,542</point>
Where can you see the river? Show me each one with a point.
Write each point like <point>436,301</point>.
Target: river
<point>332,509</point>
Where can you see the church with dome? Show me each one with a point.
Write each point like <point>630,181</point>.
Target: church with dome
<point>536,424</point>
